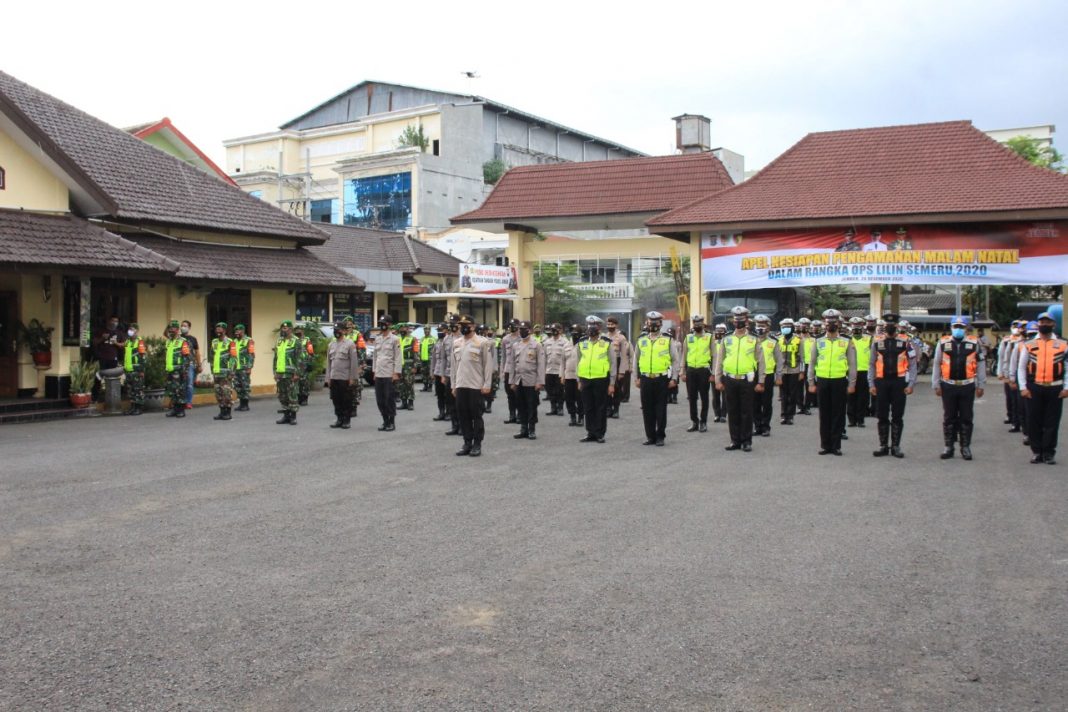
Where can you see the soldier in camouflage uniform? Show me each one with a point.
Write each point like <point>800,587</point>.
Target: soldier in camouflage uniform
<point>308,351</point>
<point>222,356</point>
<point>134,352</point>
<point>245,357</point>
<point>176,359</point>
<point>410,356</point>
<point>288,364</point>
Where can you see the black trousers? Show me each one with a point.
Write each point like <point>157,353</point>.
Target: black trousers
<point>958,407</point>
<point>617,397</point>
<point>624,386</point>
<point>571,396</point>
<point>762,402</point>
<point>384,396</point>
<point>831,399</point>
<point>469,413</point>
<point>341,397</point>
<point>1044,418</point>
<point>789,393</point>
<point>512,402</point>
<point>654,394</point>
<point>554,389</point>
<point>890,401</point>
<point>697,386</point>
<point>858,401</point>
<point>1012,414</point>
<point>719,403</point>
<point>811,400</point>
<point>595,405</point>
<point>526,405</point>
<point>442,394</point>
<point>738,397</point>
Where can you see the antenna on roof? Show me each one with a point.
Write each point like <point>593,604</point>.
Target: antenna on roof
<point>471,75</point>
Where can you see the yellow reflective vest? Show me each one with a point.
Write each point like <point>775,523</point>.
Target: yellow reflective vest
<point>699,351</point>
<point>593,359</point>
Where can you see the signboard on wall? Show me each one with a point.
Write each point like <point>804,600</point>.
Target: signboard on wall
<point>358,306</point>
<point>1011,253</point>
<point>488,279</point>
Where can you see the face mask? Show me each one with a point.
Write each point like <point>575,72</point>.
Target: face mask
<point>465,329</point>
<point>958,333</point>
<point>698,329</point>
<point>654,327</point>
<point>1045,328</point>
<point>832,328</point>
<point>890,330</point>
<point>761,330</point>
<point>871,329</point>
<point>185,329</point>
<point>524,333</point>
<point>739,323</point>
<point>594,331</point>
<point>787,330</point>
<point>1015,331</point>
<point>857,334</point>
<point>131,332</point>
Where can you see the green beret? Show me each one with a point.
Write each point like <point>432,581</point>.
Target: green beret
<point>287,322</point>
<point>239,326</point>
<point>174,322</point>
<point>223,324</point>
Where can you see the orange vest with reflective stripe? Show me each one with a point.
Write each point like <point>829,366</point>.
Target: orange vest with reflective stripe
<point>971,357</point>
<point>1045,359</point>
<point>902,356</point>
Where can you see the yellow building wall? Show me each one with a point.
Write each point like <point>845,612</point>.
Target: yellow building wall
<point>32,305</point>
<point>269,308</point>
<point>28,184</point>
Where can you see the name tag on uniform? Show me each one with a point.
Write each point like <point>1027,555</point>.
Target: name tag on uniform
<point>532,355</point>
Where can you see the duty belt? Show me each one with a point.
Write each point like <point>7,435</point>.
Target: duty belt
<point>654,375</point>
<point>962,382</point>
<point>1048,383</point>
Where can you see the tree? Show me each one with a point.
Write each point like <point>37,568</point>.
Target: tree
<point>829,296</point>
<point>413,137</point>
<point>1032,150</point>
<point>493,170</point>
<point>1003,300</point>
<point>563,302</point>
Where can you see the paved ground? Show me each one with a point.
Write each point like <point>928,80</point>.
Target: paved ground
<point>151,564</point>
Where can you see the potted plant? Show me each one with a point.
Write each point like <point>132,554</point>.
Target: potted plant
<point>82,376</point>
<point>37,338</point>
<point>155,372</point>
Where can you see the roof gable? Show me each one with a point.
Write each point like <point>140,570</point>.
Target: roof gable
<point>361,248</point>
<point>937,168</point>
<point>178,144</point>
<point>365,99</point>
<point>134,182</point>
<point>630,185</point>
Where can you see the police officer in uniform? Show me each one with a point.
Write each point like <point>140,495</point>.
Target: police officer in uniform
<point>891,374</point>
<point>1040,375</point>
<point>858,401</point>
<point>506,355</point>
<point>596,371</point>
<point>526,374</point>
<point>958,375</point>
<point>557,347</point>
<point>624,356</point>
<point>739,372</point>
<point>697,354</point>
<point>656,361</point>
<point>571,390</point>
<point>719,405</point>
<point>762,403</point>
<point>386,366</point>
<point>426,348</point>
<point>1012,396</point>
<point>471,374</point>
<point>833,361</point>
<point>807,400</point>
<point>793,367</point>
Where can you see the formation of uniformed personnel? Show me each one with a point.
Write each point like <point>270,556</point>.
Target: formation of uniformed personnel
<point>353,334</point>
<point>673,387</point>
<point>623,353</point>
<point>525,371</point>
<point>571,389</point>
<point>410,357</point>
<point>472,373</point>
<point>222,357</point>
<point>859,400</point>
<point>958,375</point>
<point>557,347</point>
<point>342,371</point>
<point>289,359</point>
<point>386,368</point>
<point>656,365</point>
<point>487,400</point>
<point>505,356</point>
<point>1009,343</point>
<point>1030,331</point>
<point>719,403</point>
<point>307,352</point>
<point>832,376</point>
<point>808,398</point>
<point>426,347</point>
<point>792,372</point>
<point>176,359</point>
<point>245,349</point>
<point>891,375</point>
<point>739,371</point>
<point>134,353</point>
<point>1040,377</point>
<point>438,372</point>
<point>762,402</point>
<point>596,371</point>
<point>697,350</point>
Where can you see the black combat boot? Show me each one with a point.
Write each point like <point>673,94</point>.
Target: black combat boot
<point>694,427</point>
<point>582,419</point>
<point>703,427</point>
<point>895,440</point>
<point>476,448</point>
<point>221,415</point>
<point>511,417</point>
<point>441,413</point>
<point>489,409</point>
<point>292,417</point>
<point>466,449</point>
<point>522,434</point>
<point>948,437</point>
<point>884,437</point>
<point>392,424</point>
<point>243,405</point>
<point>574,419</point>
<point>531,434</point>
<point>284,420</point>
<point>338,422</point>
<point>966,442</point>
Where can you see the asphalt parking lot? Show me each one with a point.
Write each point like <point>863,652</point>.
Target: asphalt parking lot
<point>149,564</point>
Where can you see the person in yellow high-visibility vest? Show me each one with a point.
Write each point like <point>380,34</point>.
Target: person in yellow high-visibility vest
<point>222,355</point>
<point>426,348</point>
<point>596,372</point>
<point>857,409</point>
<point>656,367</point>
<point>833,360</point>
<point>697,350</point>
<point>740,374</point>
<point>177,355</point>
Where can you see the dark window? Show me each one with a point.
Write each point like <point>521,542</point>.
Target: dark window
<point>3,183</point>
<point>118,297</point>
<point>599,275</point>
<point>72,311</point>
<point>437,147</point>
<point>325,211</point>
<point>359,306</point>
<point>234,306</point>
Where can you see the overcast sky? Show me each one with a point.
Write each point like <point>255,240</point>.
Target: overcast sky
<point>766,73</point>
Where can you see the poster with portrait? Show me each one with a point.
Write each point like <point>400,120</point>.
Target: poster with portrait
<point>488,279</point>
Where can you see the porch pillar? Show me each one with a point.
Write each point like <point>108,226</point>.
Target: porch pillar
<point>875,302</point>
<point>516,252</point>
<point>697,290</point>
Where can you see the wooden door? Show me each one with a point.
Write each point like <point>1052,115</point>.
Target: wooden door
<point>9,360</point>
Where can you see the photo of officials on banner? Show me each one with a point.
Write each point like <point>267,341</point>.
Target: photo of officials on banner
<point>488,279</point>
<point>1017,253</point>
